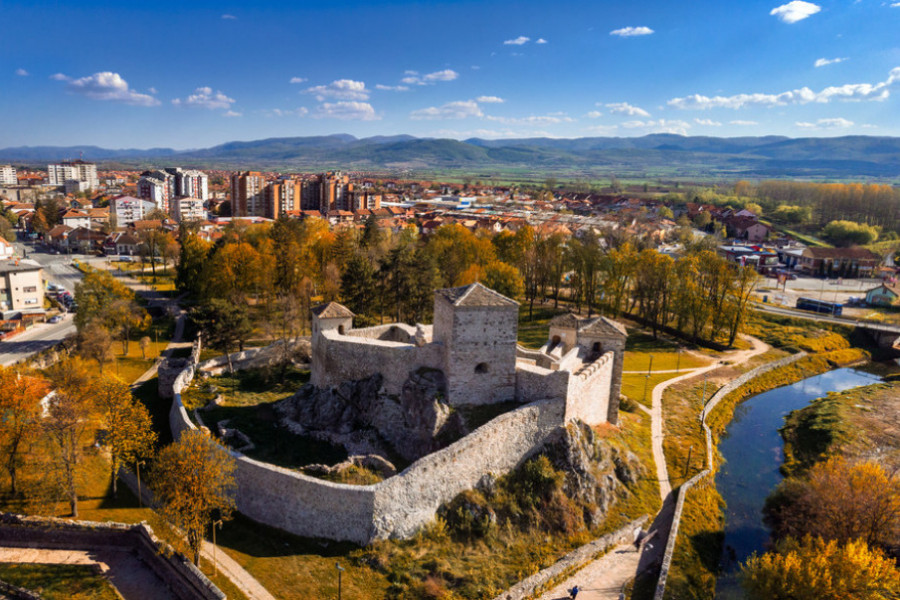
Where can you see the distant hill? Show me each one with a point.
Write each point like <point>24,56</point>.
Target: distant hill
<point>657,155</point>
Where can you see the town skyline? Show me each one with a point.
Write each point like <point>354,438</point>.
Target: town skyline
<point>490,69</point>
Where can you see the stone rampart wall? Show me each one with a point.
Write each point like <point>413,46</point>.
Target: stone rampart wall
<point>682,491</point>
<point>251,357</point>
<point>406,502</point>
<point>400,505</point>
<point>588,395</point>
<point>185,580</point>
<point>537,383</point>
<point>349,358</point>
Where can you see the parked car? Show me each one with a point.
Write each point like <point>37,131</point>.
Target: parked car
<point>56,319</point>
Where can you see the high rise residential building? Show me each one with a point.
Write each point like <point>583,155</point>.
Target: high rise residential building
<point>156,187</point>
<point>8,175</point>
<point>283,195</point>
<point>248,194</point>
<point>190,183</point>
<point>78,170</point>
<point>188,209</point>
<point>128,209</point>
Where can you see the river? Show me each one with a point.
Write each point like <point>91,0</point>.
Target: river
<point>753,452</point>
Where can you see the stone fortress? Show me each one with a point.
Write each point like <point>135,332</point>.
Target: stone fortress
<point>472,357</point>
<point>473,342</point>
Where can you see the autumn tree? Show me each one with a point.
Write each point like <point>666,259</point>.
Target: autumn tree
<point>192,258</point>
<point>839,501</point>
<point>225,325</point>
<point>144,343</point>
<point>20,418</point>
<point>127,429</point>
<point>96,292</point>
<point>69,421</point>
<point>813,569</point>
<point>95,343</point>
<point>193,482</point>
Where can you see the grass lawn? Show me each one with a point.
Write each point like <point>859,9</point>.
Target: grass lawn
<point>639,387</point>
<point>534,332</point>
<point>59,582</point>
<point>662,361</point>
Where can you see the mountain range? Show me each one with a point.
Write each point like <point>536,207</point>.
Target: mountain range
<point>657,155</point>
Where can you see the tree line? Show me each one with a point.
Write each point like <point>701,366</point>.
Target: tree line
<point>278,271</point>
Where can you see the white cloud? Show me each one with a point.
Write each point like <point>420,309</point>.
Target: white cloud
<point>21,72</point>
<point>531,120</point>
<point>741,123</point>
<point>347,111</point>
<point>413,77</point>
<point>707,122</point>
<point>204,97</point>
<point>824,62</point>
<point>232,113</point>
<point>298,79</point>
<point>804,95</point>
<point>340,89</point>
<point>228,17</point>
<point>490,100</point>
<point>631,31</point>
<point>602,129</point>
<point>895,4</point>
<point>541,41</point>
<point>152,90</point>
<point>280,112</point>
<point>623,108</point>
<point>106,86</point>
<point>518,41</point>
<point>391,88</point>
<point>837,123</point>
<point>659,126</point>
<point>794,11</point>
<point>482,133</point>
<point>594,114</point>
<point>460,109</point>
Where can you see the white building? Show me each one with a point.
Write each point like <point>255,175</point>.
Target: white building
<point>191,184</point>
<point>188,209</point>
<point>74,186</point>
<point>6,249</point>
<point>129,209</point>
<point>155,188</point>
<point>21,286</point>
<point>78,170</point>
<point>8,175</point>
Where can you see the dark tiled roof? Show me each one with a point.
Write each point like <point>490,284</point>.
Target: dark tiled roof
<point>604,326</point>
<point>332,310</point>
<point>568,320</point>
<point>475,294</point>
<point>856,252</point>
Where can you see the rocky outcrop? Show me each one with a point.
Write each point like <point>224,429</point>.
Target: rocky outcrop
<point>596,473</point>
<point>415,423</point>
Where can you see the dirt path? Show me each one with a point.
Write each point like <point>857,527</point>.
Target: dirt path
<point>248,584</point>
<point>124,571</point>
<point>177,342</point>
<point>656,425</point>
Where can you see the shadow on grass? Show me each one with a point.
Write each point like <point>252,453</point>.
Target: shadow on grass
<point>158,408</point>
<point>254,539</point>
<point>708,548</point>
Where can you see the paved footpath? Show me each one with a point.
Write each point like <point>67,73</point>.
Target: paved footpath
<point>122,569</point>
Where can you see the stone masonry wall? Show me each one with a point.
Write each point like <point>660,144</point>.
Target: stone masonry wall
<point>537,383</point>
<point>406,502</point>
<point>352,358</point>
<point>589,391</point>
<point>398,506</point>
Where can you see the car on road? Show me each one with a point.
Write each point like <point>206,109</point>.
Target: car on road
<point>55,319</point>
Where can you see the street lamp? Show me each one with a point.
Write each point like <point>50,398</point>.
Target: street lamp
<point>340,571</point>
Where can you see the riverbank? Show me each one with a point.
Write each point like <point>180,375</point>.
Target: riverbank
<point>695,562</point>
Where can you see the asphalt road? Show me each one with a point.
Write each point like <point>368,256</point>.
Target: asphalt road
<point>57,270</point>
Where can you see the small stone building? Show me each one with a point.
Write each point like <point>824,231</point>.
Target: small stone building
<point>473,342</point>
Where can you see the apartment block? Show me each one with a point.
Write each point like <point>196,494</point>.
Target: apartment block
<point>129,209</point>
<point>188,209</point>
<point>77,170</point>
<point>248,194</point>
<point>8,175</point>
<point>21,285</point>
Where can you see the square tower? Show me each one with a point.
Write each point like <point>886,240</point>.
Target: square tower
<point>478,328</point>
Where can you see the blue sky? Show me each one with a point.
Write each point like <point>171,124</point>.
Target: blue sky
<point>194,74</point>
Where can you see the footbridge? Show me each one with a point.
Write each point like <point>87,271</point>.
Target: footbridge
<point>885,335</point>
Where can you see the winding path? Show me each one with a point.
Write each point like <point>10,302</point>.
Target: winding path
<point>604,578</point>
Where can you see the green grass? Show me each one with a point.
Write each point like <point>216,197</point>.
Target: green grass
<point>662,361</point>
<point>534,332</point>
<point>59,582</point>
<point>639,387</point>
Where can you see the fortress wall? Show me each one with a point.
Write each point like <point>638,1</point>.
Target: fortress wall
<point>338,358</point>
<point>589,391</point>
<point>304,505</point>
<point>537,383</point>
<point>406,502</point>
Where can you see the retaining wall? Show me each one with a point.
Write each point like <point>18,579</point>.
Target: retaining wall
<point>710,451</point>
<point>181,576</point>
<point>572,562</point>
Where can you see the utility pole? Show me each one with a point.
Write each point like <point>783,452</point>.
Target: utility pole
<point>214,524</point>
<point>340,571</point>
